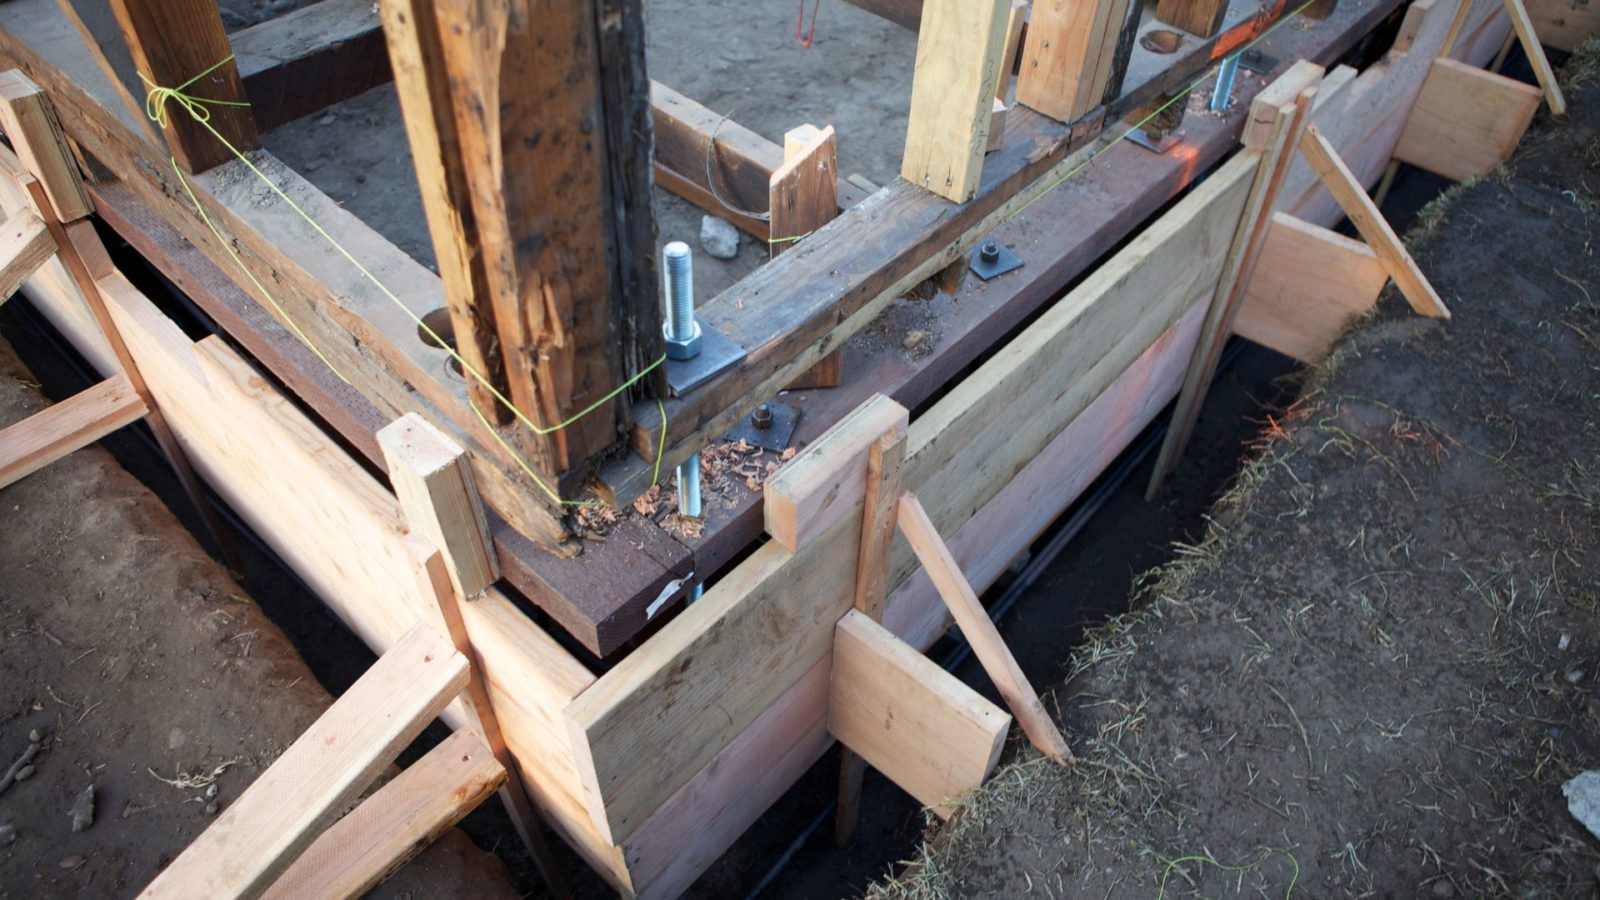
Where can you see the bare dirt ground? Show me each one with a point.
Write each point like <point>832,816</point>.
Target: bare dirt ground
<point>138,662</point>
<point>1374,673</point>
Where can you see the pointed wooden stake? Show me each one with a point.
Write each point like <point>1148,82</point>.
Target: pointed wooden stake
<point>980,632</point>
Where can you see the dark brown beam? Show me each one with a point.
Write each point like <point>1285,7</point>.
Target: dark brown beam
<point>905,13</point>
<point>307,60</point>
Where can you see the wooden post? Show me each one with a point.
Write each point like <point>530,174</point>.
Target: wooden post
<point>1275,157</point>
<point>803,195</point>
<point>1201,18</point>
<point>1070,49</point>
<point>172,43</point>
<point>552,144</point>
<point>885,461</point>
<point>952,94</point>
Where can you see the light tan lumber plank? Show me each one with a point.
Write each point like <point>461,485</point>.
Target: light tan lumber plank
<point>997,127</point>
<point>1277,98</point>
<point>952,94</point>
<point>74,423</point>
<point>979,630</point>
<point>399,821</point>
<point>1272,166</point>
<point>1369,221</point>
<point>1466,121</point>
<point>36,137</point>
<point>1016,19</point>
<point>712,670</point>
<point>1541,64</point>
<point>1063,56</point>
<point>25,245</point>
<point>436,491</point>
<point>1307,285</point>
<point>911,720</point>
<point>824,483</point>
<point>1563,24</point>
<point>257,837</point>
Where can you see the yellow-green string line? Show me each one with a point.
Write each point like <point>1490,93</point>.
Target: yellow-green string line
<point>155,108</point>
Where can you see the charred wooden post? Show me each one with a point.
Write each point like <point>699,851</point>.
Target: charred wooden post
<point>531,127</point>
<point>174,43</point>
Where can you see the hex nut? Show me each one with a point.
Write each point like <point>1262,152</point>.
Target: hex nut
<point>682,350</point>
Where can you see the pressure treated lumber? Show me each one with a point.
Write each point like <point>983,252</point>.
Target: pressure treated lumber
<point>905,13</point>
<point>36,138</point>
<point>804,196</point>
<point>173,42</point>
<point>1198,17</point>
<point>1308,284</point>
<point>258,835</point>
<point>825,483</point>
<point>979,630</point>
<point>931,735</point>
<point>1466,121</point>
<point>1066,59</point>
<point>1369,221</point>
<point>74,423</point>
<point>399,821</point>
<point>309,59</point>
<point>25,244</point>
<point>435,488</point>
<point>952,94</point>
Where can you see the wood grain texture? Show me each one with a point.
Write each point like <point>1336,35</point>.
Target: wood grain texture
<point>309,59</point>
<point>1198,17</point>
<point>823,484</point>
<point>399,821</point>
<point>439,499</point>
<point>1529,36</point>
<point>259,835</point>
<point>1307,285</point>
<point>1069,50</point>
<point>919,725</point>
<point>1466,121</point>
<point>979,630</point>
<point>25,244</point>
<point>952,94</point>
<point>74,423</point>
<point>35,135</point>
<point>172,42</point>
<point>1563,24</point>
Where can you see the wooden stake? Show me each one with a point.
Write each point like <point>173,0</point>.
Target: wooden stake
<point>173,42</point>
<point>885,461</point>
<point>1536,57</point>
<point>980,632</point>
<point>36,136</point>
<point>1229,294</point>
<point>440,500</point>
<point>1369,222</point>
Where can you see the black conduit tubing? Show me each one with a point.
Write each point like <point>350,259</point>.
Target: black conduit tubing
<point>1082,512</point>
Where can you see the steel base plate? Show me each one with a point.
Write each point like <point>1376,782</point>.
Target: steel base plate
<point>1003,260</point>
<point>1258,62</point>
<point>1157,145</point>
<point>775,437</point>
<point>717,352</point>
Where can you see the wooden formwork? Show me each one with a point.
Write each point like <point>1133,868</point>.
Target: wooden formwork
<point>651,768</point>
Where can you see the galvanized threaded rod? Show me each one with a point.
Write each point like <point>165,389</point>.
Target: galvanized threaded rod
<point>683,343</point>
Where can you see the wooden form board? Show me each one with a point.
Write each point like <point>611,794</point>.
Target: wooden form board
<point>259,835</point>
<point>393,825</point>
<point>1466,121</point>
<point>1307,286</point>
<point>714,669</point>
<point>952,95</point>
<point>911,720</point>
<point>827,482</point>
<point>1564,24</point>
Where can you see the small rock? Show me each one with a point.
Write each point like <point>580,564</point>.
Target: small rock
<point>211,791</point>
<point>8,834</point>
<point>24,773</point>
<point>35,736</point>
<point>1583,799</point>
<point>719,238</point>
<point>82,811</point>
<point>1574,676</point>
<point>72,862</point>
<point>328,119</point>
<point>1545,865</point>
<point>1565,642</point>
<point>1443,889</point>
<point>212,808</point>
<point>176,738</point>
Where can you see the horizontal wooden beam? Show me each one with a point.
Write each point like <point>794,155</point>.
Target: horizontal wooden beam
<point>905,13</point>
<point>307,60</point>
<point>399,821</point>
<point>911,720</point>
<point>74,423</point>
